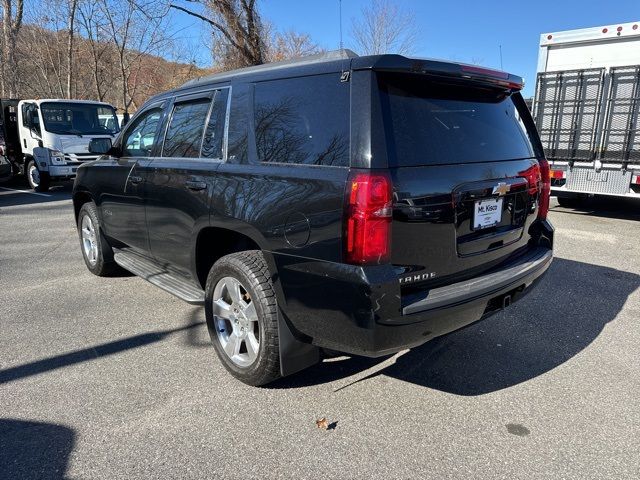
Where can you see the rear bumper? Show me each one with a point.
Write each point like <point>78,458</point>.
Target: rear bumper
<point>561,191</point>
<point>450,308</point>
<point>521,271</point>
<point>360,310</point>
<point>610,179</point>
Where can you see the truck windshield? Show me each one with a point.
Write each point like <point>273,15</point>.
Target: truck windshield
<point>431,123</point>
<point>69,118</point>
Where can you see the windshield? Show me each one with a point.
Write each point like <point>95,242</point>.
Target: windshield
<point>79,118</point>
<point>432,123</point>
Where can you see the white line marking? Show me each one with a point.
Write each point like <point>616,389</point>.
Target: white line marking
<point>24,191</point>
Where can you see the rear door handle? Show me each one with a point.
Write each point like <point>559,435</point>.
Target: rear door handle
<point>135,179</point>
<point>195,185</point>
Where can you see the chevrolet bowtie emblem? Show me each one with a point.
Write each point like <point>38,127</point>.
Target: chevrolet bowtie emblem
<point>501,189</point>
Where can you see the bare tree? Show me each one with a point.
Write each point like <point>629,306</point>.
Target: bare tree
<point>291,44</point>
<point>71,18</point>
<point>43,49</point>
<point>11,23</point>
<point>238,38</point>
<point>40,71</point>
<point>92,26</point>
<point>384,28</point>
<point>135,29</point>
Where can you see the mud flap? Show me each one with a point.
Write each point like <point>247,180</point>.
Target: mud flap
<point>294,354</point>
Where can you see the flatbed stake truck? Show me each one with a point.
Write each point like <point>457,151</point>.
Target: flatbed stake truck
<point>587,110</point>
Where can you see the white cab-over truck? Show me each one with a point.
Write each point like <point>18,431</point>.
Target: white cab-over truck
<point>47,140</point>
<point>587,109</point>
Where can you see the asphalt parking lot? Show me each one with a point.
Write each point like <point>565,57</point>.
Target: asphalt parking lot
<point>114,378</point>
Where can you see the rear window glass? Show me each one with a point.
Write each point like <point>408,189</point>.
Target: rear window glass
<point>213,136</point>
<point>303,120</point>
<point>184,134</point>
<point>431,123</point>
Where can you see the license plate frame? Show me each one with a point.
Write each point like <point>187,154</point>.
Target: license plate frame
<point>487,213</point>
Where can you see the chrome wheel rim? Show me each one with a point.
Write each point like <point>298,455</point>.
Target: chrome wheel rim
<point>34,175</point>
<point>89,244</point>
<point>236,322</point>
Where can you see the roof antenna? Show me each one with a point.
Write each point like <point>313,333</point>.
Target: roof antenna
<point>340,7</point>
<point>501,68</point>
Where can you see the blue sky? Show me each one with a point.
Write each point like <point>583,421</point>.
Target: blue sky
<point>458,30</point>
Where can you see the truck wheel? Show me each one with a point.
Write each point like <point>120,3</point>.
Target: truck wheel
<point>39,181</point>
<point>568,202</point>
<point>96,251</point>
<point>242,317</point>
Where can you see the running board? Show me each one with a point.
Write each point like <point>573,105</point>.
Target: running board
<point>158,275</point>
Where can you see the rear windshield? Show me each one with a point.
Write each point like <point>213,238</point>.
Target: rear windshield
<point>430,123</point>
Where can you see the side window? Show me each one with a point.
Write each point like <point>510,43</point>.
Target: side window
<point>30,109</point>
<point>25,109</point>
<point>184,134</point>
<point>141,135</point>
<point>303,120</point>
<point>212,143</point>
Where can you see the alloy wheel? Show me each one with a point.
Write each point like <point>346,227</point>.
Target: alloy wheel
<point>89,241</point>
<point>236,321</point>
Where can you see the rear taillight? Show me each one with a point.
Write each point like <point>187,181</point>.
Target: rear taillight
<point>368,218</point>
<point>532,174</point>
<point>545,189</point>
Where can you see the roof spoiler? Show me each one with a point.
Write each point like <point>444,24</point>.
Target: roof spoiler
<point>474,73</point>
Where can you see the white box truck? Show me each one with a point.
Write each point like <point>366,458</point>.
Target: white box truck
<point>48,139</point>
<point>587,109</point>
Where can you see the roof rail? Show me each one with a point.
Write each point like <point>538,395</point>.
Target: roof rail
<point>333,55</point>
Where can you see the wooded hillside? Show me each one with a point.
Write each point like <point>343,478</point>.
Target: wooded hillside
<point>124,51</point>
<point>41,70</point>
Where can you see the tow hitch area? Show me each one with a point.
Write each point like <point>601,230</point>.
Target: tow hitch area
<point>506,301</point>
<point>502,301</point>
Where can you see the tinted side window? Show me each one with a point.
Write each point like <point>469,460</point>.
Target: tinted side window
<point>184,134</point>
<point>140,137</point>
<point>303,120</point>
<point>212,143</point>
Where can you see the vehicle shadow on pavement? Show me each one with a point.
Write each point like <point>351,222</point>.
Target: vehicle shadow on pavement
<point>555,322</point>
<point>34,450</point>
<point>91,353</point>
<point>15,195</point>
<point>607,207</point>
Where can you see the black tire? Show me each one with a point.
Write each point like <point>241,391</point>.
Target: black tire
<point>43,180</point>
<point>568,202</point>
<point>249,268</point>
<point>103,264</point>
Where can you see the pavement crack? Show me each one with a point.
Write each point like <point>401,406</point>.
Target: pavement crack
<point>52,249</point>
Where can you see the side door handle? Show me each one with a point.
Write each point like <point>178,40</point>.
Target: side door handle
<point>195,185</point>
<point>135,179</point>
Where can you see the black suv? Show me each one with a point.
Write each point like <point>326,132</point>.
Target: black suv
<point>354,204</point>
